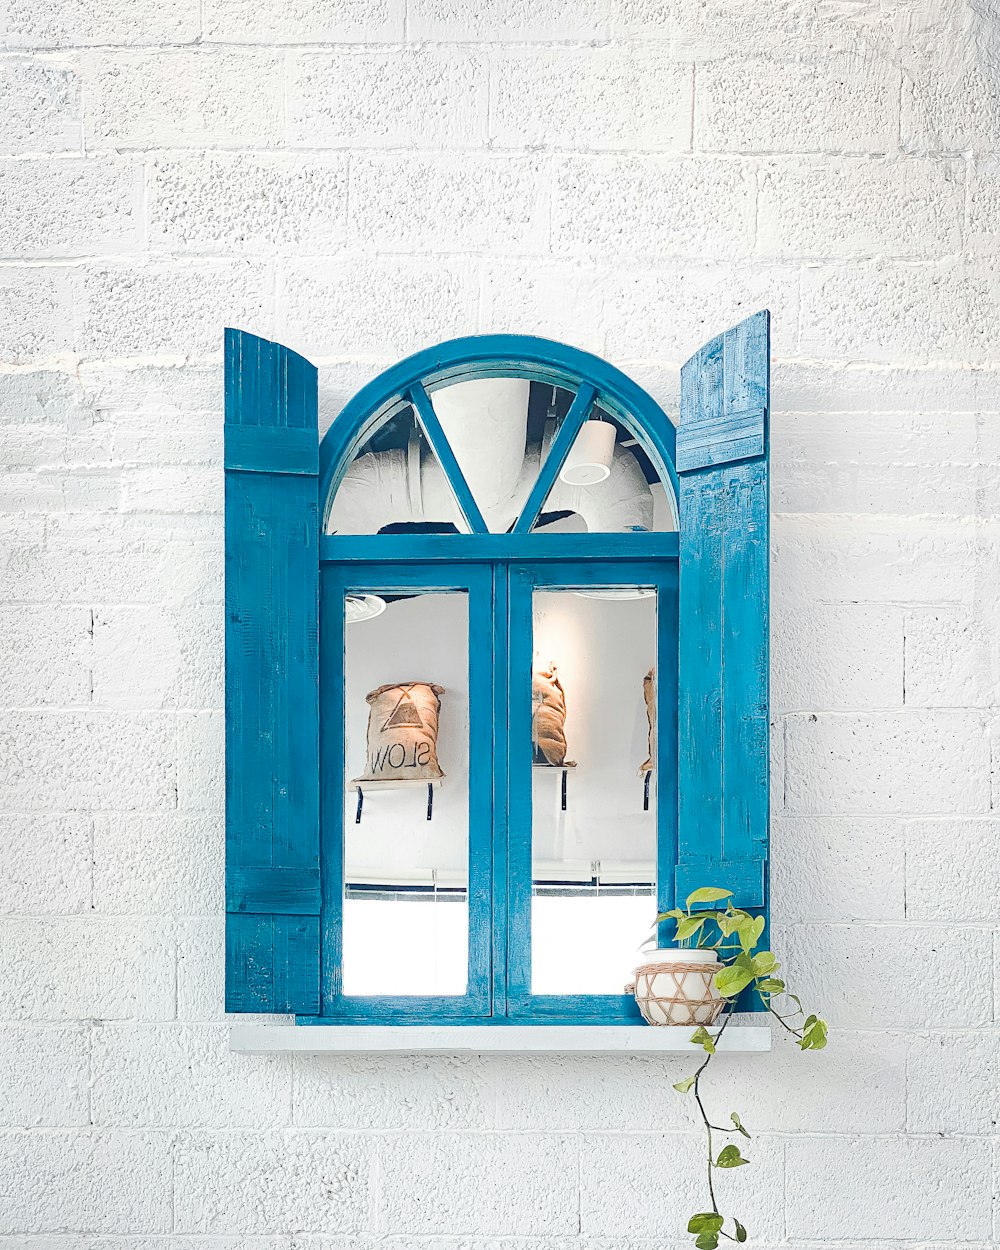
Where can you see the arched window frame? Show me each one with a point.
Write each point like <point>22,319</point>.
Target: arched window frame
<point>412,381</point>
<point>281,949</point>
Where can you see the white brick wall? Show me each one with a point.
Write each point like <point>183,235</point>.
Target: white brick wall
<point>360,178</point>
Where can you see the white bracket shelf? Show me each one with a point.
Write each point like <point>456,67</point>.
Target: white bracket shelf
<point>544,1039</point>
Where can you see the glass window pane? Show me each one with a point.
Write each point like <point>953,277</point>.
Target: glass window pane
<point>406,802</point>
<point>500,430</point>
<point>395,485</point>
<point>607,484</point>
<point>593,812</point>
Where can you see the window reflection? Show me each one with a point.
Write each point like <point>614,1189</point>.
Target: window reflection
<point>406,803</point>
<point>500,431</point>
<point>608,484</point>
<point>593,820</point>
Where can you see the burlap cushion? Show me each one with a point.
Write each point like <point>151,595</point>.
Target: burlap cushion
<point>649,694</point>
<point>402,734</point>
<point>548,716</point>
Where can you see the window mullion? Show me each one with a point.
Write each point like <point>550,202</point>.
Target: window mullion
<point>499,651</point>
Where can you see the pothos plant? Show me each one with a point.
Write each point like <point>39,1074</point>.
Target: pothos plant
<point>736,936</point>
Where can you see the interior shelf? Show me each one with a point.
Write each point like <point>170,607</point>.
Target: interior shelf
<point>263,1039</point>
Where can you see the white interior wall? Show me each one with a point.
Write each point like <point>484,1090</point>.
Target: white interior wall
<point>359,182</point>
<point>420,639</point>
<point>603,650</point>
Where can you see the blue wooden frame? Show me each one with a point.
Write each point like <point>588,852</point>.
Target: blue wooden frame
<point>283,889</point>
<point>500,877</point>
<point>273,893</point>
<point>722,460</point>
<point>597,384</point>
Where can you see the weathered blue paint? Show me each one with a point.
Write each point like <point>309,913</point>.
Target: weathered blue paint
<point>501,771</point>
<point>279,956</point>
<point>723,666</point>
<point>272,708</point>
<point>665,775</point>
<point>465,548</point>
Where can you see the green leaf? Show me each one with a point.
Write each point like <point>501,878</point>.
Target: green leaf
<point>688,927</point>
<point>730,921</point>
<point>796,1000</point>
<point>735,976</point>
<point>701,1037</point>
<point>707,894</point>
<point>682,1087</point>
<point>675,913</point>
<point>765,962</point>
<point>705,1222</point>
<point>771,985</point>
<point>809,1021</point>
<point>738,1124</point>
<point>730,1157</point>
<point>814,1037</point>
<point>741,1232</point>
<point>707,1241</point>
<point>750,932</point>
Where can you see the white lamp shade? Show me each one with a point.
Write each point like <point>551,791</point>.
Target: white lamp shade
<point>589,459</point>
<point>619,592</point>
<point>362,607</point>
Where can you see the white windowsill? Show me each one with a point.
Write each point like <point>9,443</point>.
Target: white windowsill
<point>317,1039</point>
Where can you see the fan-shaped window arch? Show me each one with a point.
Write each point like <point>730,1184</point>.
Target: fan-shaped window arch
<point>474,738</point>
<point>497,416</point>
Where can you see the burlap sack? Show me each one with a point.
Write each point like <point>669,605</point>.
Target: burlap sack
<point>649,694</point>
<point>548,717</point>
<point>402,734</point>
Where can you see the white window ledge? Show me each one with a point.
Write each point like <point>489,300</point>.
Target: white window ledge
<point>320,1039</point>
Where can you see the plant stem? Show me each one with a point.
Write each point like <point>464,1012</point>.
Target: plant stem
<point>781,1020</point>
<point>704,1115</point>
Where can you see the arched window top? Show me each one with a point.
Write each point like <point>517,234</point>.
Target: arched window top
<point>472,435</point>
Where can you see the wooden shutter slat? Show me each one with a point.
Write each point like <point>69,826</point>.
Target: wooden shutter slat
<point>722,461</point>
<point>272,679</point>
<point>722,440</point>
<point>276,890</point>
<point>745,877</point>
<point>259,449</point>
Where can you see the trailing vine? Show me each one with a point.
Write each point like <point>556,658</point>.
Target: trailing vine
<point>736,935</point>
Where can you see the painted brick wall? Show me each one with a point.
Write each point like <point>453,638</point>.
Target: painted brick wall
<point>358,180</point>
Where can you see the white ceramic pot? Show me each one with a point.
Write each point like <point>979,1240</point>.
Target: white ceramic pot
<point>676,986</point>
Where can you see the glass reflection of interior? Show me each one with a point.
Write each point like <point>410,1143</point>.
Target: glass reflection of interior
<point>593,809</point>
<point>395,485</point>
<point>500,431</point>
<point>607,485</point>
<point>406,834</point>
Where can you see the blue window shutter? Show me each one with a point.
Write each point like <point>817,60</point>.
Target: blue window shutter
<point>722,463</point>
<point>272,687</point>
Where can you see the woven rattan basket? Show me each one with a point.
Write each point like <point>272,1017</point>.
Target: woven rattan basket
<point>677,991</point>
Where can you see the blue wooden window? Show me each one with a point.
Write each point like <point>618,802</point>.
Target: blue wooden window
<point>295,565</point>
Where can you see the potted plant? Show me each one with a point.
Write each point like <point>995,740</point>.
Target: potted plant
<point>733,937</point>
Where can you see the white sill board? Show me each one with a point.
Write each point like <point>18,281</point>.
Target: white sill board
<point>327,1039</point>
